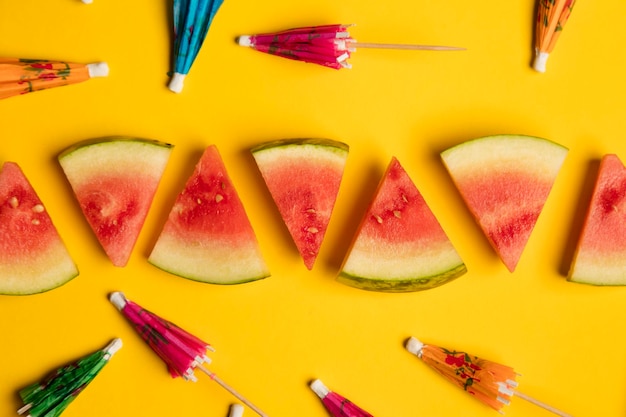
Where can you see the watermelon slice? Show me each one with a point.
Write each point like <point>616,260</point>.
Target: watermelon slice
<point>600,257</point>
<point>33,258</point>
<point>208,236</point>
<point>505,181</point>
<point>400,246</point>
<point>303,177</point>
<point>114,180</point>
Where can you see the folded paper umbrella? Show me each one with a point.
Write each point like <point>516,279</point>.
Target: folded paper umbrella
<point>327,45</point>
<point>21,76</point>
<point>491,383</point>
<point>551,18</point>
<point>182,352</point>
<point>192,19</point>
<point>51,396</point>
<point>337,405</point>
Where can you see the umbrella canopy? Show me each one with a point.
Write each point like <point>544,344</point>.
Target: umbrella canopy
<point>181,351</point>
<point>21,76</point>
<point>192,19</point>
<point>326,45</point>
<point>337,405</point>
<point>490,382</point>
<point>48,398</point>
<point>551,18</point>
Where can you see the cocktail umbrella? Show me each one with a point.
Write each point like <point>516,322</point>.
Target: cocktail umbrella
<point>192,19</point>
<point>491,383</point>
<point>21,76</point>
<point>327,45</point>
<point>51,396</point>
<point>551,18</point>
<point>337,405</point>
<point>182,352</point>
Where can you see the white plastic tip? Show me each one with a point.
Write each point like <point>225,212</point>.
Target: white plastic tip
<point>99,69</point>
<point>236,410</point>
<point>244,40</point>
<point>541,59</point>
<point>176,84</point>
<point>113,347</point>
<point>319,388</point>
<point>414,346</point>
<point>118,300</point>
<point>87,1</point>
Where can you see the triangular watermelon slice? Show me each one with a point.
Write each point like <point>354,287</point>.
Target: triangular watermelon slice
<point>303,177</point>
<point>505,181</point>
<point>114,180</point>
<point>33,257</point>
<point>400,246</point>
<point>208,236</point>
<point>600,257</point>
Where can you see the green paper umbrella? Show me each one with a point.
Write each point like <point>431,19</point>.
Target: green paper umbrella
<point>48,398</point>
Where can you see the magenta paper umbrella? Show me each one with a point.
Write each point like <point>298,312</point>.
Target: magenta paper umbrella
<point>182,352</point>
<point>326,45</point>
<point>337,405</point>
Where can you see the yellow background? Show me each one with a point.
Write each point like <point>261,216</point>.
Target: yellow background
<point>274,336</point>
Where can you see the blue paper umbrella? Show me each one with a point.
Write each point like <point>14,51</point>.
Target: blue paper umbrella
<point>192,19</point>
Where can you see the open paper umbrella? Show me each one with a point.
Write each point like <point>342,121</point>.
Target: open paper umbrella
<point>51,396</point>
<point>491,383</point>
<point>327,45</point>
<point>192,19</point>
<point>182,352</point>
<point>337,405</point>
<point>551,18</point>
<point>21,76</point>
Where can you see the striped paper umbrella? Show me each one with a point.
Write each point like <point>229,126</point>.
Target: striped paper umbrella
<point>21,76</point>
<point>336,404</point>
<point>50,397</point>
<point>489,382</point>
<point>327,45</point>
<point>551,18</point>
<point>181,351</point>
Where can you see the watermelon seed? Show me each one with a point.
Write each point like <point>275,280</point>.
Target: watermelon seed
<point>406,200</point>
<point>198,201</point>
<point>218,198</point>
<point>35,222</point>
<point>38,208</point>
<point>378,219</point>
<point>312,211</point>
<point>13,202</point>
<point>397,214</point>
<point>312,230</point>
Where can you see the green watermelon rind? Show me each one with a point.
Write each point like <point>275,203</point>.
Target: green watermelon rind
<point>335,145</point>
<point>403,284</point>
<point>107,140</point>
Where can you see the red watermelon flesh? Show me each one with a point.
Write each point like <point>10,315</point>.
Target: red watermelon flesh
<point>115,180</point>
<point>400,246</point>
<point>600,257</point>
<point>33,257</point>
<point>505,181</point>
<point>303,177</point>
<point>208,236</point>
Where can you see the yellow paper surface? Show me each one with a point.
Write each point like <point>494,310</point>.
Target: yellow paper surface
<point>274,336</point>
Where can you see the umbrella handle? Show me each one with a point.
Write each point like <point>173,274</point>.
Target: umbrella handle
<point>404,46</point>
<point>541,404</point>
<point>232,391</point>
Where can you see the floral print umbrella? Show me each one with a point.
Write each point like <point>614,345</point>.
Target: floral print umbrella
<point>551,18</point>
<point>21,76</point>
<point>192,19</point>
<point>327,45</point>
<point>181,351</point>
<point>50,397</point>
<point>337,405</point>
<point>489,382</point>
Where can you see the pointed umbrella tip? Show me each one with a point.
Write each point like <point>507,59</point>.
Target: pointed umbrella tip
<point>118,299</point>
<point>541,60</point>
<point>87,1</point>
<point>244,40</point>
<point>99,69</point>
<point>236,410</point>
<point>113,347</point>
<point>176,83</point>
<point>319,388</point>
<point>414,346</point>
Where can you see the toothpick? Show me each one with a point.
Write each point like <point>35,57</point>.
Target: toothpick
<point>405,46</point>
<point>230,389</point>
<point>541,404</point>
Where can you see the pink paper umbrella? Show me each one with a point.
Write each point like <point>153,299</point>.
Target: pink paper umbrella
<point>182,352</point>
<point>326,45</point>
<point>337,405</point>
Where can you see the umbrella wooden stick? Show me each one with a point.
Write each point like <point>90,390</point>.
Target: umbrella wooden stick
<point>405,46</point>
<point>230,389</point>
<point>541,404</point>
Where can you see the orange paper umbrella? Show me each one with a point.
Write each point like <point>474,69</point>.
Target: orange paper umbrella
<point>551,18</point>
<point>491,383</point>
<point>21,76</point>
